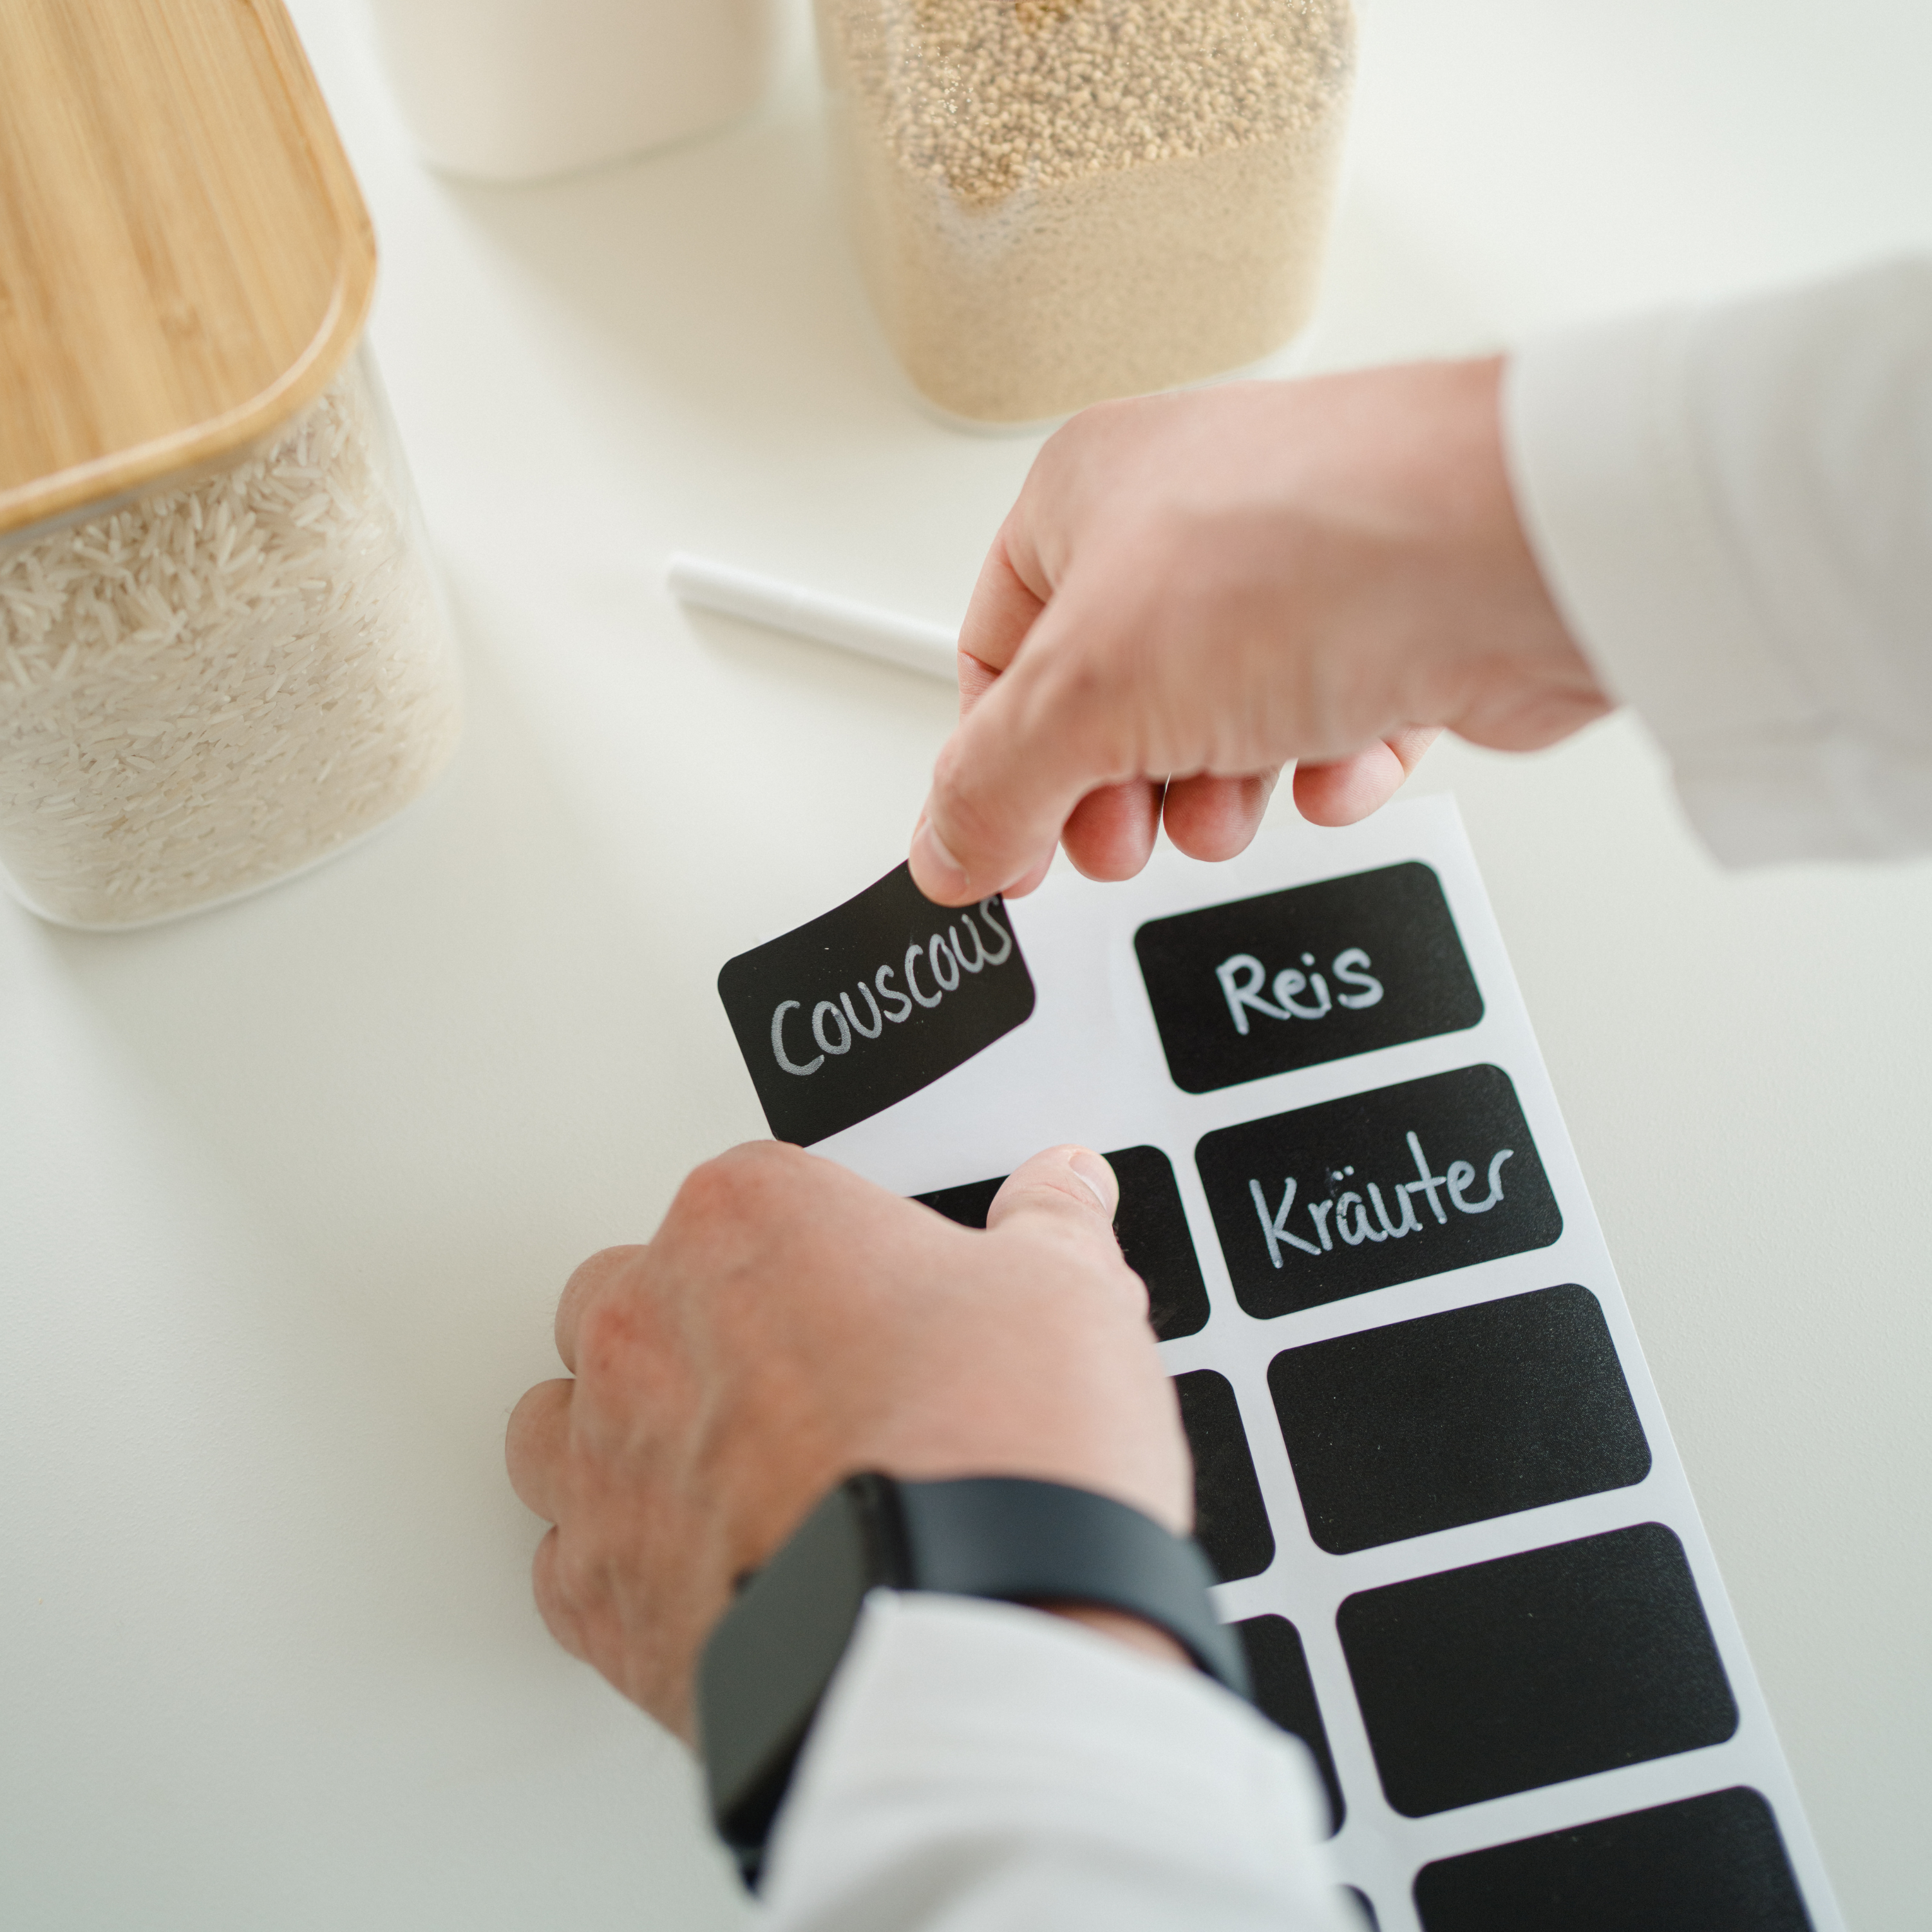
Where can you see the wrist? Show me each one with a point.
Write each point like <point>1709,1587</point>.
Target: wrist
<point>1521,681</point>
<point>770,1660</point>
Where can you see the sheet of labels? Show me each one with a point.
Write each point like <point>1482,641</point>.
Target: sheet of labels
<point>1432,1470</point>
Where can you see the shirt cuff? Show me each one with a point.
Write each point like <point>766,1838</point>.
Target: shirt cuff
<point>980,1765</point>
<point>1598,431</point>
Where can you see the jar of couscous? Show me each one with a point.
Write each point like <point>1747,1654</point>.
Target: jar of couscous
<point>1057,201</point>
<point>222,655</point>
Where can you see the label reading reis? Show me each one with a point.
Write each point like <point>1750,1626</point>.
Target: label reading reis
<point>1379,1188</point>
<point>871,1002</point>
<point>1292,978</point>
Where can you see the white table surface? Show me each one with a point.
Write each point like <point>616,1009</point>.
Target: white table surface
<point>287,1191</point>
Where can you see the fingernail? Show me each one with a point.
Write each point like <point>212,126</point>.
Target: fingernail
<point>938,864</point>
<point>1098,1177</point>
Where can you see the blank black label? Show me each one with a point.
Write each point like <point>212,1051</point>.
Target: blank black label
<point>1230,1520</point>
<point>1149,1222</point>
<point>1714,1864</point>
<point>1285,1694</point>
<point>1292,979</point>
<point>1380,1187</point>
<point>1534,1668</point>
<point>1479,1412</point>
<point>847,1015</point>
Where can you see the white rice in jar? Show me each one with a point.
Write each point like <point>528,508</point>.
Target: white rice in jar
<point>224,680</point>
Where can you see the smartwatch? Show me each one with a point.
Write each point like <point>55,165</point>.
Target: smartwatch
<point>773,1653</point>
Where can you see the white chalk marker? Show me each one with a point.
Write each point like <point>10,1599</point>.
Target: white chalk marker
<point>871,633</point>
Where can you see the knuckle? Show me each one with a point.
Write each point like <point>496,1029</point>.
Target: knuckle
<point>590,1282</point>
<point>1064,449</point>
<point>589,1275</point>
<point>732,1212</point>
<point>708,1203</point>
<point>608,1338</point>
<point>733,1186</point>
<point>523,1434</point>
<point>702,1193</point>
<point>1077,680</point>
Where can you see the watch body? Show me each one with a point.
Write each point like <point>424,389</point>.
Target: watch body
<point>768,1663</point>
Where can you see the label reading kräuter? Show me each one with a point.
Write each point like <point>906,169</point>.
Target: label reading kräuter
<point>1377,1188</point>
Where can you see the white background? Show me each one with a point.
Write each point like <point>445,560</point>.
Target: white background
<point>286,1192</point>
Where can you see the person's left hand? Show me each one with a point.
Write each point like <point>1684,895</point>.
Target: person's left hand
<point>790,1325</point>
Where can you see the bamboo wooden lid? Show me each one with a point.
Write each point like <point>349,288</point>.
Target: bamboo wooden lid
<point>185,260</point>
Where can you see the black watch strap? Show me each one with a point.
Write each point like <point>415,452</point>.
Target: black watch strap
<point>1022,1542</point>
<point>774,1651</point>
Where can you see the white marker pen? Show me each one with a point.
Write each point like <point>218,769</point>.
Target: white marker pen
<point>871,633</point>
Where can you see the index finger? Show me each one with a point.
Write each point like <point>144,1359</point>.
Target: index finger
<point>582,1284</point>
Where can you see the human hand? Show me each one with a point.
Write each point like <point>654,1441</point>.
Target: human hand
<point>1194,590</point>
<point>790,1324</point>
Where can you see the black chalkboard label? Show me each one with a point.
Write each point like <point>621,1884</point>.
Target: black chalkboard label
<point>1377,1188</point>
<point>1532,1669</point>
<point>1150,1223</point>
<point>1716,1863</point>
<point>1285,1694</point>
<point>1456,1418</point>
<point>1292,978</point>
<point>1230,1520</point>
<point>872,1001</point>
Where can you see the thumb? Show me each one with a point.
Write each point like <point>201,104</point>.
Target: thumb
<point>1072,1184</point>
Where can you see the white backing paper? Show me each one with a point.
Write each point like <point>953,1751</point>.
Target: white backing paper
<point>1088,1067</point>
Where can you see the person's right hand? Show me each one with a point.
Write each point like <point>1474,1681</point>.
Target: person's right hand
<point>1195,590</point>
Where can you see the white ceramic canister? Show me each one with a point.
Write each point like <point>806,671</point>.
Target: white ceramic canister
<point>515,90</point>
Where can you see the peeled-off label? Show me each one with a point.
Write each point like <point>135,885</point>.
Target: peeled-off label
<point>870,1002</point>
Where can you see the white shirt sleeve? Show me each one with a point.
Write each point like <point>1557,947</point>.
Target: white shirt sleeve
<point>978,1767</point>
<point>1733,509</point>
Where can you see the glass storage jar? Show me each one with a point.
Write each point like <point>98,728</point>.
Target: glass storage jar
<point>1057,201</point>
<point>222,655</point>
